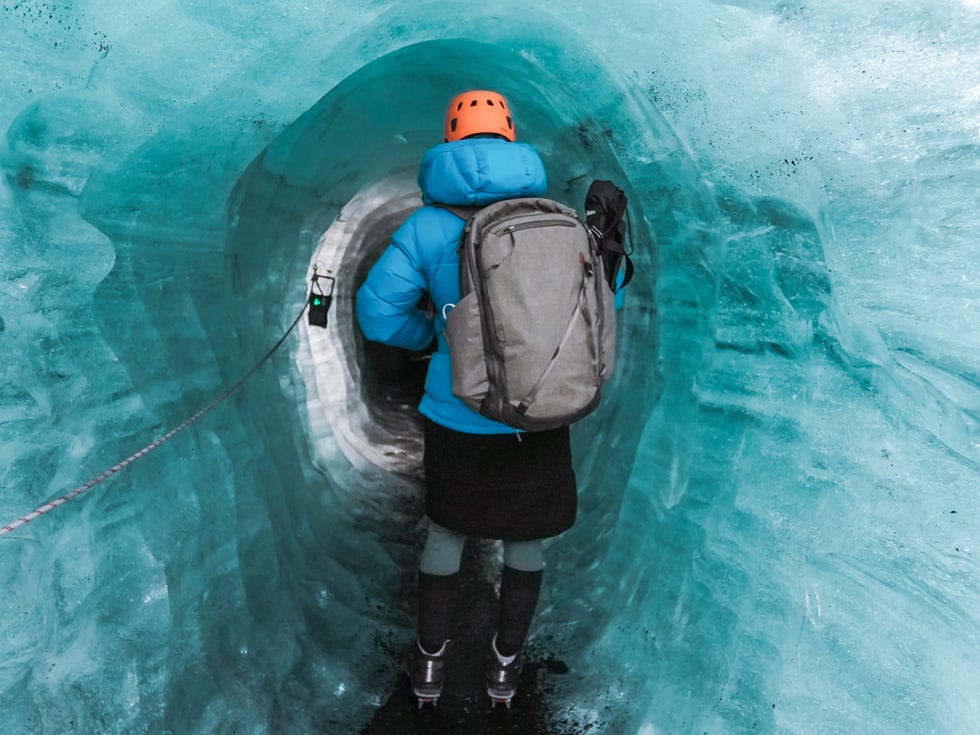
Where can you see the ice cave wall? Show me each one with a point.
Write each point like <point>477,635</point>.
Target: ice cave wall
<point>770,523</point>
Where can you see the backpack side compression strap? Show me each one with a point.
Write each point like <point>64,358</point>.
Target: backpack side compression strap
<point>532,394</point>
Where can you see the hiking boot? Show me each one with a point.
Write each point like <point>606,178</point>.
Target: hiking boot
<point>425,673</point>
<point>503,675</point>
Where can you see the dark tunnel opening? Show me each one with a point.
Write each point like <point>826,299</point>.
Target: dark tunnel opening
<point>392,379</point>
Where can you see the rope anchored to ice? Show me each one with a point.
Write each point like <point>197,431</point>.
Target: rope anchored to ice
<point>315,293</point>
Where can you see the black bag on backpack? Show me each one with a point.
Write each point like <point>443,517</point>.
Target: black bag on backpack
<point>605,208</point>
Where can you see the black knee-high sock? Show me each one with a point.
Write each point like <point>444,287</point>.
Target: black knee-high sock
<point>518,598</point>
<point>437,598</point>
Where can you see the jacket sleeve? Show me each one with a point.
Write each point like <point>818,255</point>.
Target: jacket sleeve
<point>387,299</point>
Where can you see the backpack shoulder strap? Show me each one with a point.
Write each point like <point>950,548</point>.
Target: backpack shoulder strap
<point>464,212</point>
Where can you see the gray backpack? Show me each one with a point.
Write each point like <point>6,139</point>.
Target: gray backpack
<point>533,336</point>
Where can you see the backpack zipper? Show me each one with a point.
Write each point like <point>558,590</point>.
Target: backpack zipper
<point>531,225</point>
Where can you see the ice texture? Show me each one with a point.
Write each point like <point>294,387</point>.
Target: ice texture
<point>779,498</point>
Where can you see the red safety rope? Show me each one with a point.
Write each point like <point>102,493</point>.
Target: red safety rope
<point>48,507</point>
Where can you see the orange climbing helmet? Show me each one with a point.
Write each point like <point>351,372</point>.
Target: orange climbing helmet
<point>479,111</point>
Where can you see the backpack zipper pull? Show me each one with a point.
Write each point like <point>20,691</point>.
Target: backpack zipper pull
<point>587,264</point>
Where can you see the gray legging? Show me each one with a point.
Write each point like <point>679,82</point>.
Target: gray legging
<point>520,585</point>
<point>444,551</point>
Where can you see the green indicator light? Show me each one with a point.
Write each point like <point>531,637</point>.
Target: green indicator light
<point>316,301</point>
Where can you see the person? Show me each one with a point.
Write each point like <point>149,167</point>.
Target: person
<point>484,479</point>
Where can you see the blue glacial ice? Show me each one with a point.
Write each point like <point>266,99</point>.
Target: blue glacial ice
<point>779,498</point>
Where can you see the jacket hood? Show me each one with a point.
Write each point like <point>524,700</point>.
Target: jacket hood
<point>480,171</point>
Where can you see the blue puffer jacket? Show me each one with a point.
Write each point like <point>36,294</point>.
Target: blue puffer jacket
<point>423,257</point>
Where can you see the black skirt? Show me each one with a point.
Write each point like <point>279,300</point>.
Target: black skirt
<point>496,486</point>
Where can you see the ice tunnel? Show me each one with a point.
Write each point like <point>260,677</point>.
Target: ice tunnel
<point>778,499</point>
